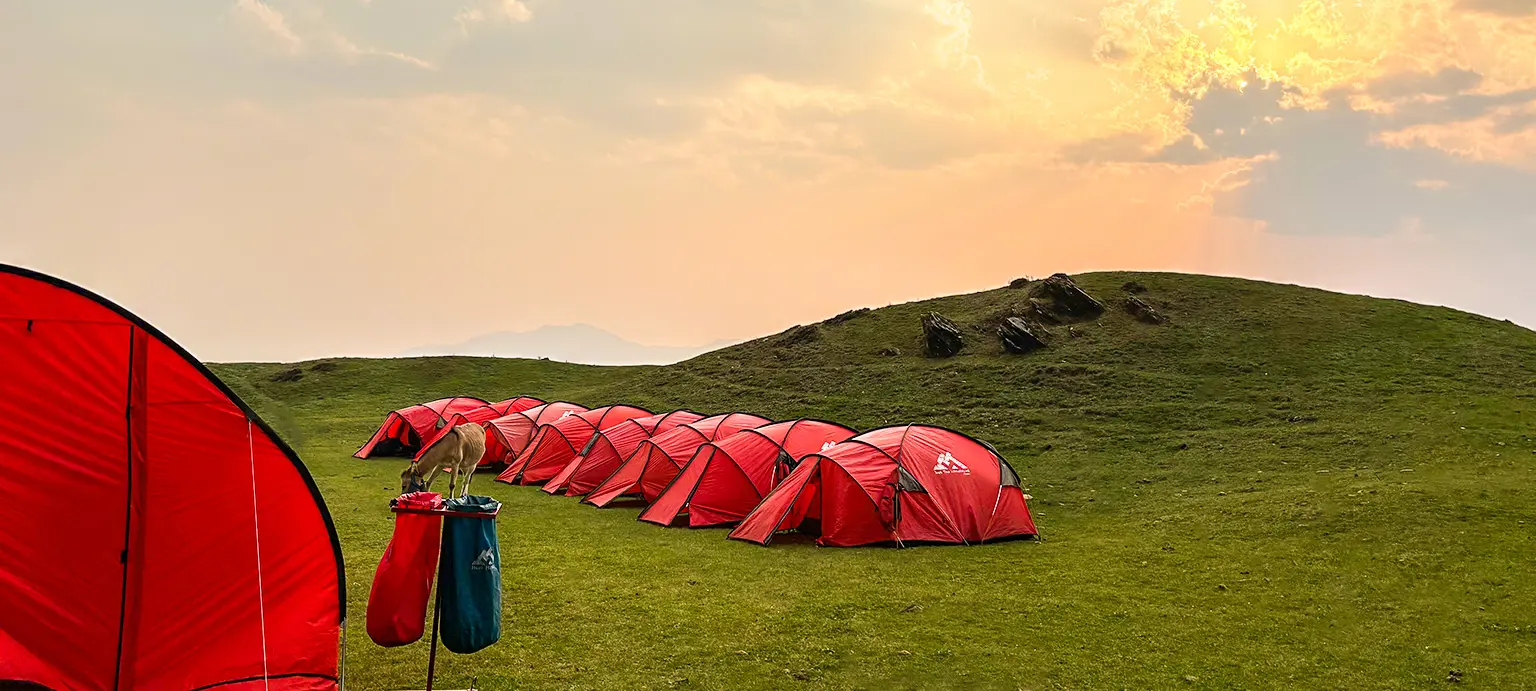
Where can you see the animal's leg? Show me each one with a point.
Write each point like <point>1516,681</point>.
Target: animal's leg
<point>436,470</point>
<point>470,476</point>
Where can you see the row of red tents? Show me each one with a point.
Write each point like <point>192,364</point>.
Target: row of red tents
<point>909,483</point>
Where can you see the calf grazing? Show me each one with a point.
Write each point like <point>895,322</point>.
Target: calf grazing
<point>459,450</point>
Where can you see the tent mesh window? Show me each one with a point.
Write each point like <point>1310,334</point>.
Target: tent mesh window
<point>1009,477</point>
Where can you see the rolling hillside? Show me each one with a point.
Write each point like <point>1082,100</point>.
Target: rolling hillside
<point>578,343</point>
<point>1280,487</point>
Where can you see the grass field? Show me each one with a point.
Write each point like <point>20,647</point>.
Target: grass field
<point>1282,488</point>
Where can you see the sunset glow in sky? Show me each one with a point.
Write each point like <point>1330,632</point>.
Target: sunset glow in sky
<point>284,179</point>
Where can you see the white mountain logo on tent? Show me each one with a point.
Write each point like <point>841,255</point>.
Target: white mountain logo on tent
<point>827,445</point>
<point>567,414</point>
<point>949,465</point>
<point>485,562</point>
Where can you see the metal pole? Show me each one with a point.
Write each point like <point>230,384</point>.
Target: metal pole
<point>437,607</point>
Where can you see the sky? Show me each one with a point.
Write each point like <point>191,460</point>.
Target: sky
<point>290,179</point>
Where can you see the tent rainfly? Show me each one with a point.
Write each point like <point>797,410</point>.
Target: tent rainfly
<point>186,546</point>
<point>480,415</point>
<point>912,483</point>
<point>405,429</point>
<point>557,443</point>
<point>512,405</point>
<point>506,437</point>
<point>725,479</point>
<point>609,449</point>
<point>656,460</point>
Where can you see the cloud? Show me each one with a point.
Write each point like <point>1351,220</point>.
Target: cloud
<point>493,12</point>
<point>1329,172</point>
<point>1507,8</point>
<point>798,132</point>
<point>1162,52</point>
<point>901,138</point>
<point>916,87</point>
<point>907,74</point>
<point>1504,137</point>
<point>1434,160</point>
<point>1451,80</point>
<point>1128,146</point>
<point>1460,108</point>
<point>271,22</point>
<point>350,51</point>
<point>314,37</point>
<point>675,49</point>
<point>1516,123</point>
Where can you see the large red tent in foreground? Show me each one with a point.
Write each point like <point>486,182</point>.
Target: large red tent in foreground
<point>656,460</point>
<point>162,537</point>
<point>557,443</point>
<point>897,484</point>
<point>725,479</point>
<point>609,448</point>
<point>405,430</point>
<point>506,437</point>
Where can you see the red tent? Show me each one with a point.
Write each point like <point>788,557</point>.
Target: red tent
<point>506,437</point>
<point>405,429</point>
<point>158,536</point>
<point>513,405</point>
<point>481,414</point>
<point>656,460</point>
<point>609,448</point>
<point>897,484</point>
<point>555,444</point>
<point>725,479</point>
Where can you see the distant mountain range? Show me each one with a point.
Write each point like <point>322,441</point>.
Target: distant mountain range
<point>578,343</point>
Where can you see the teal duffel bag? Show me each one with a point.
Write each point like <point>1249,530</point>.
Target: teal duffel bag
<point>471,577</point>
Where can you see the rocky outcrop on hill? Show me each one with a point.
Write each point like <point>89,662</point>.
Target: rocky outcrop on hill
<point>941,337</point>
<point>1058,300</point>
<point>288,375</point>
<point>1019,336</point>
<point>1143,312</point>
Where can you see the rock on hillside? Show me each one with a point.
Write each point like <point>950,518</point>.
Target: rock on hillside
<point>941,337</point>
<point>1058,300</point>
<point>1143,312</point>
<point>1019,337</point>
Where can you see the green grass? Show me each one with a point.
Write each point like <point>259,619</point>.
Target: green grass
<point>1283,488</point>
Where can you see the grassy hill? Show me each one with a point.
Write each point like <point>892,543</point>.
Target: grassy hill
<point>1280,488</point>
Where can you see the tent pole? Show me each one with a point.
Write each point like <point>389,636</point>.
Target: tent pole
<point>342,680</point>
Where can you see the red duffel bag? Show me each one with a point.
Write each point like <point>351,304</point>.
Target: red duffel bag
<point>397,604</point>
